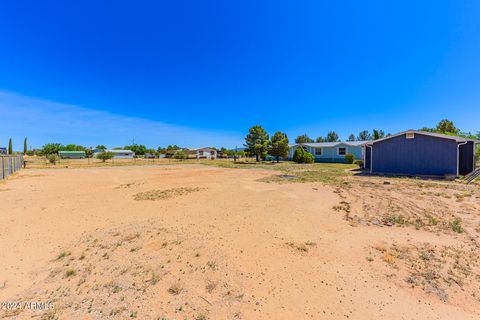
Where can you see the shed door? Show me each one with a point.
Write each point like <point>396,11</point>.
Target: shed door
<point>368,156</point>
<point>466,162</point>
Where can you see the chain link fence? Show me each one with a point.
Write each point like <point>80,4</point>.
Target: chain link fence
<point>9,165</point>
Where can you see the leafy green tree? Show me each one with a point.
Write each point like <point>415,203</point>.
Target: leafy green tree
<point>180,154</point>
<point>257,142</point>
<point>351,137</point>
<point>51,148</point>
<point>25,148</point>
<point>426,129</point>
<point>89,152</point>
<point>364,136</point>
<point>446,126</point>
<point>173,147</point>
<point>101,147</point>
<point>10,147</point>
<point>105,155</point>
<point>378,134</point>
<point>72,147</point>
<point>138,149</point>
<point>279,145</point>
<point>332,136</point>
<point>304,138</point>
<point>320,139</point>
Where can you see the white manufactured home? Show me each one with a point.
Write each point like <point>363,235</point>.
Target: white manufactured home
<point>117,154</point>
<point>205,153</point>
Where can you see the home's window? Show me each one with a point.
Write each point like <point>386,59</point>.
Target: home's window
<point>318,151</point>
<point>342,151</point>
<point>410,135</point>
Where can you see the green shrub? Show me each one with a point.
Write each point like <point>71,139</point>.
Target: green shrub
<point>298,155</point>
<point>52,158</point>
<point>302,156</point>
<point>105,155</point>
<point>308,157</point>
<point>180,155</point>
<point>456,225</point>
<point>359,163</point>
<point>349,158</point>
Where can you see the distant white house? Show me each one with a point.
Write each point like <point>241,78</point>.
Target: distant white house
<point>117,154</point>
<point>205,153</point>
<point>3,150</point>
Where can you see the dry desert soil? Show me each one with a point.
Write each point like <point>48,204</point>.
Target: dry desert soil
<point>207,242</point>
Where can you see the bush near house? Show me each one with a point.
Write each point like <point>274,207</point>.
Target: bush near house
<point>302,156</point>
<point>52,158</point>
<point>308,158</point>
<point>180,154</point>
<point>359,163</point>
<point>105,155</point>
<point>349,158</point>
<point>298,155</point>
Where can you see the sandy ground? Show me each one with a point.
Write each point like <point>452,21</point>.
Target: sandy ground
<point>197,242</point>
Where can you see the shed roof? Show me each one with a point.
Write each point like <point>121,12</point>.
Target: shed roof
<point>119,151</point>
<point>431,134</point>
<point>207,149</point>
<point>65,152</point>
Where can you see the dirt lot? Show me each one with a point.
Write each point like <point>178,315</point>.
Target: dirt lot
<point>189,241</point>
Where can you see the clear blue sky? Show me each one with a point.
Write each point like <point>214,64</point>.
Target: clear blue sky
<point>201,73</point>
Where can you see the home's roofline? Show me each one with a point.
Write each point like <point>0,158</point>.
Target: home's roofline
<point>118,150</point>
<point>76,151</point>
<point>204,148</point>
<point>431,134</point>
<point>331,144</point>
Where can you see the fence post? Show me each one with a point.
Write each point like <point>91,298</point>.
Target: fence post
<point>10,165</point>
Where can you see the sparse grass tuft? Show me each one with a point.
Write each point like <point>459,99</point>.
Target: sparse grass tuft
<point>210,286</point>
<point>201,316</point>
<point>456,225</point>
<point>154,279</point>
<point>70,273</point>
<point>175,289</point>
<point>63,254</point>
<point>212,265</point>
<point>301,247</point>
<point>165,194</point>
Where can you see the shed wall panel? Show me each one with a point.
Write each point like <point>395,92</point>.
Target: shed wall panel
<point>422,155</point>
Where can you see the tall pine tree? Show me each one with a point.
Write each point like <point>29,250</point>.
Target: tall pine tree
<point>279,145</point>
<point>257,142</point>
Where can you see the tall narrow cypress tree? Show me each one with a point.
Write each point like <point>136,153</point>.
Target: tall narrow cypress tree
<point>10,148</point>
<point>25,146</point>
